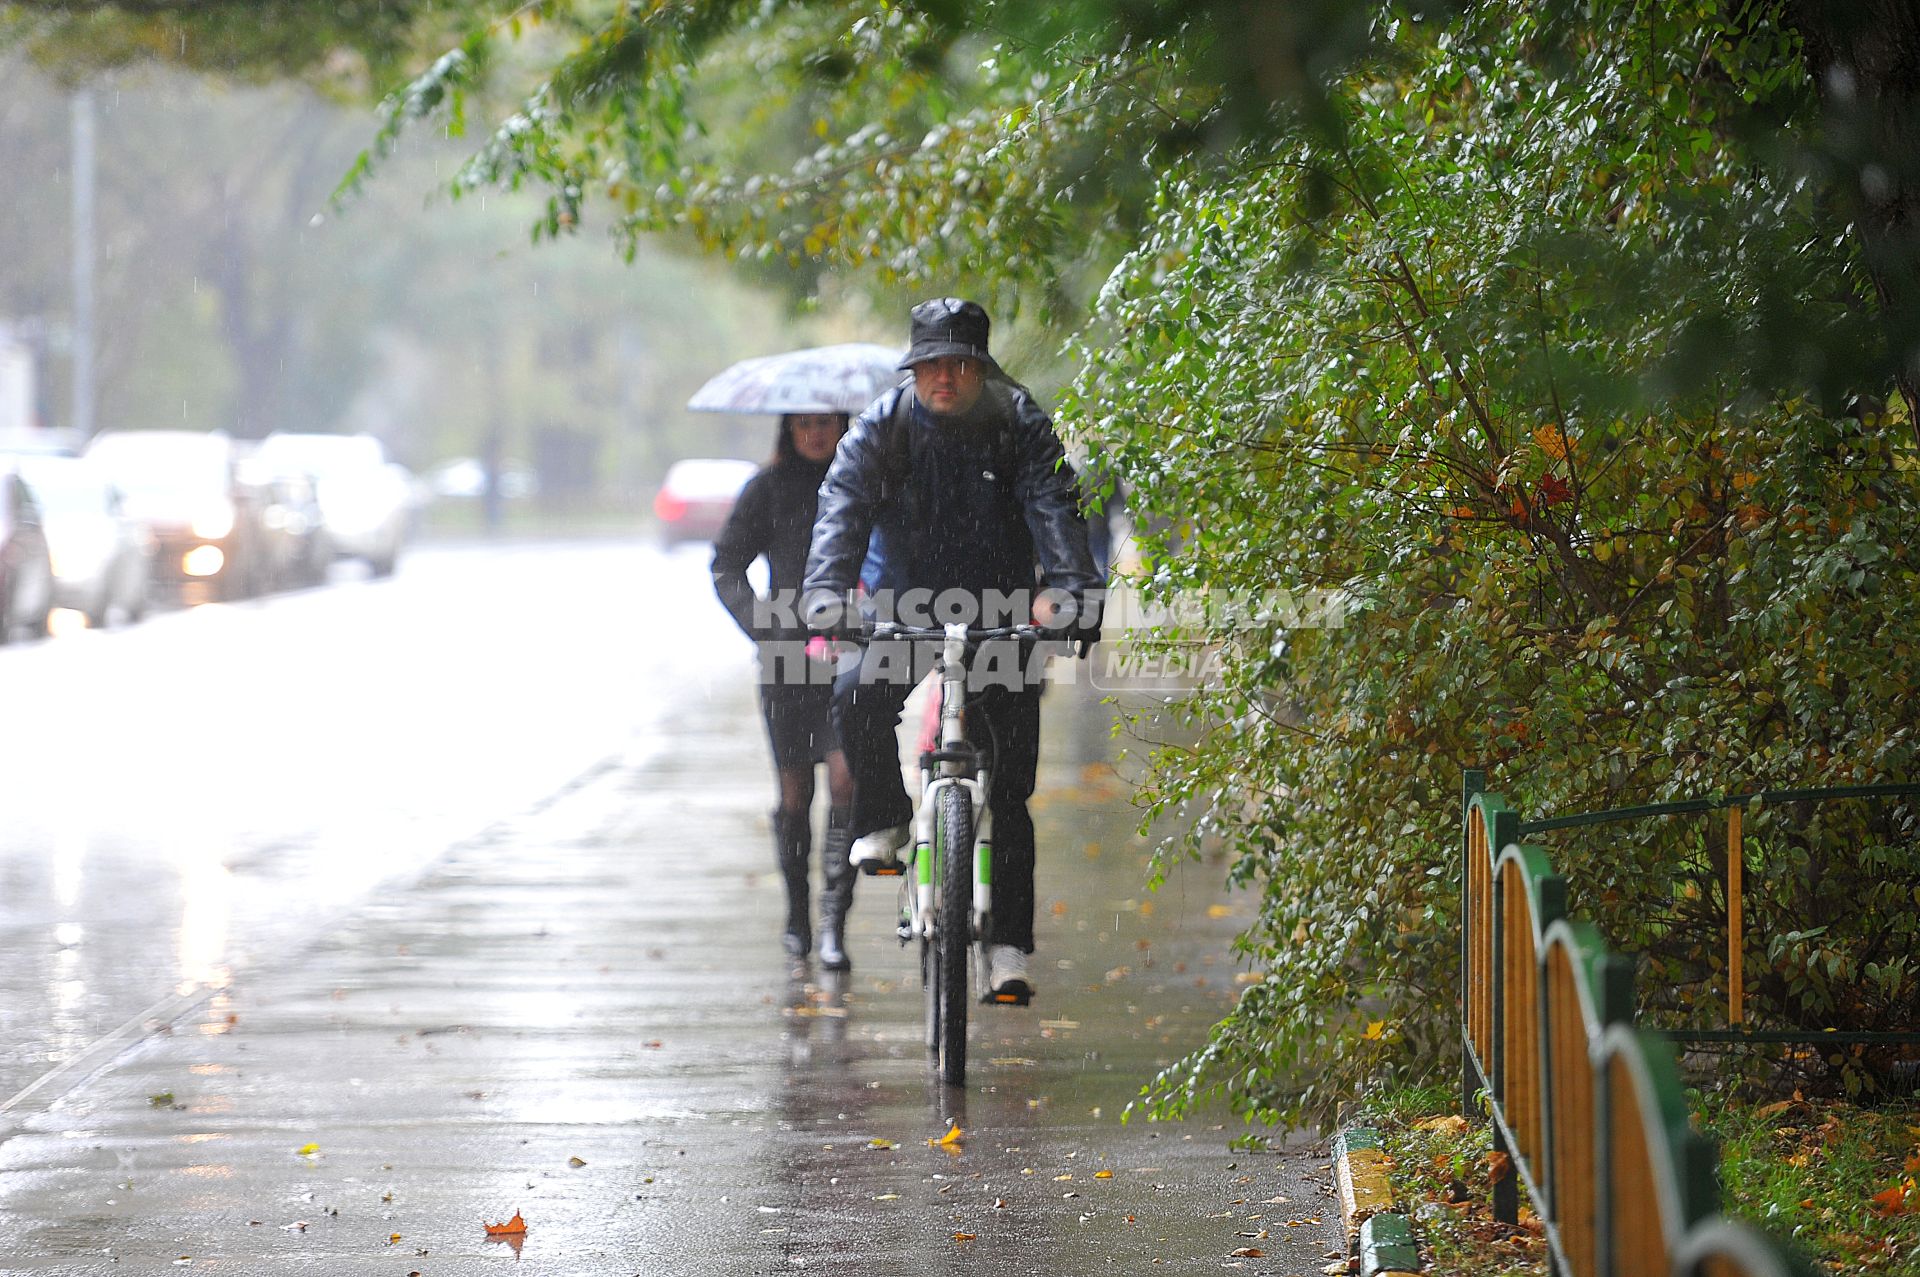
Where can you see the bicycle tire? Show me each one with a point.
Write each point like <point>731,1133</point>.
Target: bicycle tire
<point>955,932</point>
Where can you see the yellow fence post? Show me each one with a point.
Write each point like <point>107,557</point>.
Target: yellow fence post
<point>1736,870</point>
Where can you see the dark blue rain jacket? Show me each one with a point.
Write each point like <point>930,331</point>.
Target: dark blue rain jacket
<point>983,501</point>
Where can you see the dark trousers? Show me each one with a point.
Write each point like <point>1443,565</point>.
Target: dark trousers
<point>1002,722</point>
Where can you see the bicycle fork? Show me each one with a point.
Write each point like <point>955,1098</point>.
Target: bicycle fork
<point>917,920</point>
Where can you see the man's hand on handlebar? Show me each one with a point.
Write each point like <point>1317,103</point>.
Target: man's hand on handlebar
<point>1074,621</point>
<point>833,615</point>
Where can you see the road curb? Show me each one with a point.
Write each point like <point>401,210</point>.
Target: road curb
<point>1377,1234</point>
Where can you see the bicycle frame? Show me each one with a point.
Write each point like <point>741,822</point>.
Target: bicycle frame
<point>954,763</point>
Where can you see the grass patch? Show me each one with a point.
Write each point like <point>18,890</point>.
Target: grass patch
<point>1839,1182</point>
<point>1842,1182</point>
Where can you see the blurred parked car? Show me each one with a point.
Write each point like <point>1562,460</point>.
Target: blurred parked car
<point>365,501</point>
<point>697,496</point>
<point>26,571</point>
<point>102,559</point>
<point>208,521</point>
<point>297,546</point>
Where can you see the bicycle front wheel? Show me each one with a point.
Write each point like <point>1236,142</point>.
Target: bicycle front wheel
<point>955,933</point>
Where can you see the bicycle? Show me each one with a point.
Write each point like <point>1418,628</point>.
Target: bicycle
<point>946,899</point>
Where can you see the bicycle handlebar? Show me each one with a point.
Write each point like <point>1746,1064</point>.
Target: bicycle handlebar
<point>885,631</point>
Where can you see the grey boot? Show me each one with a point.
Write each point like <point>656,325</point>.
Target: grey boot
<point>836,892</point>
<point>792,848</point>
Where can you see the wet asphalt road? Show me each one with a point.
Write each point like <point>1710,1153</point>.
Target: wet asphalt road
<point>538,972</point>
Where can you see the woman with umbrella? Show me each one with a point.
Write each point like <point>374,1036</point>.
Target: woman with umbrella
<point>814,391</point>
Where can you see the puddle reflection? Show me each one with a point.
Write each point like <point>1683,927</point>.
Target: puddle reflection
<point>206,914</point>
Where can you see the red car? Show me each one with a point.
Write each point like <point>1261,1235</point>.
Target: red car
<point>697,496</point>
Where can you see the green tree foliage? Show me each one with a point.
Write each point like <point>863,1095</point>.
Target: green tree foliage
<point>825,138</point>
<point>1482,367</point>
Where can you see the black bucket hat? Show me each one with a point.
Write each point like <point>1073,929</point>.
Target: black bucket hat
<point>948,326</point>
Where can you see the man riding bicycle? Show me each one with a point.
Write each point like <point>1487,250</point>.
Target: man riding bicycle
<point>963,486</point>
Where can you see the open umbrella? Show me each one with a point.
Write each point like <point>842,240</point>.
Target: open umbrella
<point>842,378</point>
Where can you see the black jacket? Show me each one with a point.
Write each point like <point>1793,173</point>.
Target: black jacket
<point>773,517</point>
<point>870,486</point>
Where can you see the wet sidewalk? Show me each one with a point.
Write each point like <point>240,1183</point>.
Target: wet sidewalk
<point>582,1017</point>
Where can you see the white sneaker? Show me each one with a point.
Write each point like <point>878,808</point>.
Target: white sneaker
<point>881,847</point>
<point>1007,974</point>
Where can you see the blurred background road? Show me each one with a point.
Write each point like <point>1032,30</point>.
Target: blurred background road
<point>216,785</point>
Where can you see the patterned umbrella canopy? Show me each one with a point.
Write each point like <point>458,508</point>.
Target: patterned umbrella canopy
<point>821,379</point>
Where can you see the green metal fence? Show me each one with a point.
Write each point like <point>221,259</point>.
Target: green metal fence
<point>1589,1109</point>
<point>1736,807</point>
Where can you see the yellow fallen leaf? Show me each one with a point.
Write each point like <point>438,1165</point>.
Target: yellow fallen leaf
<point>514,1227</point>
<point>880,1143</point>
<point>1219,911</point>
<point>1058,1178</point>
<point>963,1237</point>
<point>953,1135</point>
<point>1103,1174</point>
<point>308,1150</point>
<point>1376,1029</point>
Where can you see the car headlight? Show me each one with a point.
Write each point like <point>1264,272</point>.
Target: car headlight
<point>203,560</point>
<point>213,522</point>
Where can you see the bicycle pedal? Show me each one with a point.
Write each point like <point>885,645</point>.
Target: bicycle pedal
<point>1016,997</point>
<point>883,868</point>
